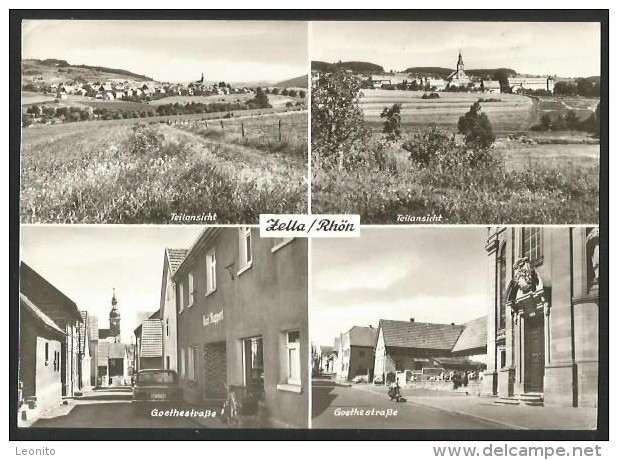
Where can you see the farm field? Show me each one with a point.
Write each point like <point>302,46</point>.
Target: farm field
<point>30,97</point>
<point>512,113</point>
<point>276,100</point>
<point>100,172</point>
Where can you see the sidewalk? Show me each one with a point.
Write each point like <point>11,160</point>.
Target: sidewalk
<point>33,415</point>
<point>521,417</point>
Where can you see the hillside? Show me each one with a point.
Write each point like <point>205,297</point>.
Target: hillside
<point>355,66</point>
<point>298,82</point>
<point>51,70</point>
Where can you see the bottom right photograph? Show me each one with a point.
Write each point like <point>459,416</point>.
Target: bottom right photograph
<point>456,328</point>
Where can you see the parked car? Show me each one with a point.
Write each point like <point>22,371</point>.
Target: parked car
<point>156,388</point>
<point>378,380</point>
<point>358,379</point>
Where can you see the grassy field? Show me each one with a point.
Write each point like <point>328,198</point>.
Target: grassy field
<point>285,133</point>
<point>122,173</point>
<point>512,113</point>
<point>30,97</point>
<point>276,101</point>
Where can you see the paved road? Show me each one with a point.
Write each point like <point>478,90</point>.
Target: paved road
<point>329,399</point>
<point>110,408</point>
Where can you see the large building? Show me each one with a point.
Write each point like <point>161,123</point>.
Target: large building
<point>519,84</point>
<point>242,322</point>
<point>459,77</point>
<point>543,302</point>
<point>414,346</point>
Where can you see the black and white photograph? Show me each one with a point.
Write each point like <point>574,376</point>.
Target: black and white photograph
<point>168,122</point>
<point>162,327</point>
<point>456,328</point>
<point>456,122</point>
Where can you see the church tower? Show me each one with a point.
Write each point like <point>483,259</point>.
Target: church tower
<point>114,318</point>
<point>460,67</point>
<point>202,79</point>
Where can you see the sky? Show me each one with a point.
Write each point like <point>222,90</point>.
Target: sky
<point>87,262</point>
<point>431,274</point>
<point>562,49</point>
<point>175,51</point>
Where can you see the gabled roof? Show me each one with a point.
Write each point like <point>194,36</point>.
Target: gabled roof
<point>93,327</point>
<point>46,296</point>
<point>474,335</point>
<point>431,336</point>
<point>363,336</point>
<point>109,350</point>
<point>152,339</point>
<point>45,320</point>
<point>175,257</point>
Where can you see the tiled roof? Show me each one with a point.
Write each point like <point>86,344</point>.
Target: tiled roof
<point>432,336</point>
<point>93,327</point>
<point>46,320</point>
<point>152,339</point>
<point>175,257</point>
<point>363,336</point>
<point>473,336</point>
<point>82,334</point>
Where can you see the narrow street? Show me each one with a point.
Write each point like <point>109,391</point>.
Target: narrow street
<point>336,406</point>
<point>109,408</point>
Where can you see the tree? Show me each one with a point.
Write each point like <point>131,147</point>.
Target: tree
<point>571,120</point>
<point>338,132</point>
<point>503,78</point>
<point>261,99</point>
<point>392,122</point>
<point>476,128</point>
<point>302,93</point>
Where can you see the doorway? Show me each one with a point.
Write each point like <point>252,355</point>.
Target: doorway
<point>534,354</point>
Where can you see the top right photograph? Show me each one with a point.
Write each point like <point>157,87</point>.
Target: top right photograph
<point>456,122</point>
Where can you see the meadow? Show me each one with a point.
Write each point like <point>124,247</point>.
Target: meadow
<point>511,113</point>
<point>100,172</point>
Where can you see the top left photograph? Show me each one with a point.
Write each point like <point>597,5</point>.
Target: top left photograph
<point>163,122</point>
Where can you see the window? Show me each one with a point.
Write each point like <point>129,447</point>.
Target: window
<point>502,358</point>
<point>191,296</point>
<point>502,287</point>
<point>253,362</point>
<point>244,249</point>
<point>181,300</point>
<point>278,243</point>
<point>56,360</point>
<point>46,353</point>
<point>532,244</point>
<point>167,327</point>
<point>211,271</point>
<point>293,357</point>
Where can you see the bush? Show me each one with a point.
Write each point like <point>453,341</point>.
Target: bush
<point>430,96</point>
<point>392,122</point>
<point>476,128</point>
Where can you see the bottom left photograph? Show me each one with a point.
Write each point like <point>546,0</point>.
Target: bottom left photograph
<point>162,327</point>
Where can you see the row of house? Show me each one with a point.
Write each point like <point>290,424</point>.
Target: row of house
<point>417,348</point>
<point>62,351</point>
<point>233,312</point>
<point>456,79</point>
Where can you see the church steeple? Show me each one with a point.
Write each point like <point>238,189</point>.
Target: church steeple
<point>460,64</point>
<point>114,316</point>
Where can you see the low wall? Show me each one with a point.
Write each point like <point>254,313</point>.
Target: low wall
<point>474,387</point>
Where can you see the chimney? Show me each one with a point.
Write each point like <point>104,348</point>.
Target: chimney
<point>411,320</point>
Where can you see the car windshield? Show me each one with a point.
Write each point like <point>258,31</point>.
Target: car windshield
<point>161,377</point>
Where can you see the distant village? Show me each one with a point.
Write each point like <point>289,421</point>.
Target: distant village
<point>115,89</point>
<point>458,80</point>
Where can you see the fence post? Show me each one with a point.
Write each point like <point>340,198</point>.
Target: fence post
<point>279,129</point>
<point>242,129</point>
<point>222,125</point>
